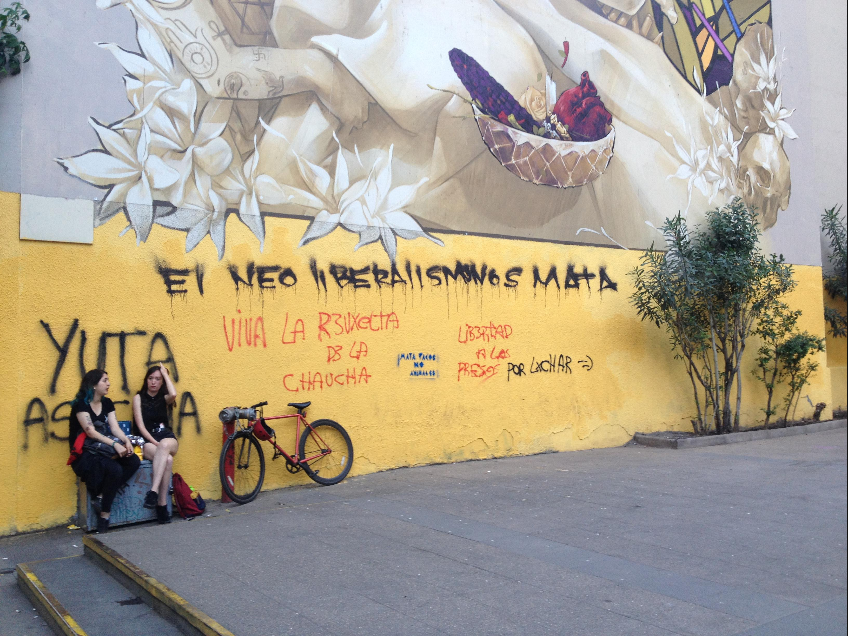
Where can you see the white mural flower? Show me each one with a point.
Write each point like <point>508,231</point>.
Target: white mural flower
<point>775,117</point>
<point>200,216</point>
<point>766,71</point>
<point>370,207</point>
<point>244,189</point>
<point>152,74</point>
<point>130,174</point>
<point>336,200</point>
<point>382,213</point>
<point>173,160</point>
<point>717,177</point>
<point>195,152</point>
<point>725,145</point>
<point>692,168</point>
<point>724,161</point>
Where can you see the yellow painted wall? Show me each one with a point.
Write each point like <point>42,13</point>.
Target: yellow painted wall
<point>395,419</point>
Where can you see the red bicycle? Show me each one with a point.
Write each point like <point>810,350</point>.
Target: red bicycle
<point>324,450</point>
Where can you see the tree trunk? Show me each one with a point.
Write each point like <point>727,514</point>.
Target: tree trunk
<point>700,427</point>
<point>789,401</point>
<point>738,385</point>
<point>717,394</point>
<point>770,389</point>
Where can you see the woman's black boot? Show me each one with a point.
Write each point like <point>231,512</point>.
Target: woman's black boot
<point>102,525</point>
<point>150,499</point>
<point>162,515</point>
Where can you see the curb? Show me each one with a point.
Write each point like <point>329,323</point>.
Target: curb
<point>733,438</point>
<point>166,602</point>
<point>51,609</point>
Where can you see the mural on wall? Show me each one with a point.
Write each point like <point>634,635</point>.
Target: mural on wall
<point>563,119</point>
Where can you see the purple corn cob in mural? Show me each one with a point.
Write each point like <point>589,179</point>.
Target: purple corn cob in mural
<point>493,99</point>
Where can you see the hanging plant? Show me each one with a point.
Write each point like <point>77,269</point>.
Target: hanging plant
<point>13,52</point>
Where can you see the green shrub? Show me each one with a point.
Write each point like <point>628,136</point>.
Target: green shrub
<point>13,52</point>
<point>836,283</point>
<point>708,290</point>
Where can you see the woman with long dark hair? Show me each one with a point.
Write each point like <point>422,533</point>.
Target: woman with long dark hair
<point>151,407</point>
<point>101,453</point>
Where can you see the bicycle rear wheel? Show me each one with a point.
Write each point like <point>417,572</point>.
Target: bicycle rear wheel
<point>326,452</point>
<point>248,467</point>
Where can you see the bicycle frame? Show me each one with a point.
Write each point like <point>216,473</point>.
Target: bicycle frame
<point>231,427</point>
<point>278,450</point>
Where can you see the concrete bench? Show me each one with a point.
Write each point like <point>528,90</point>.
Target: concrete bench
<point>128,506</point>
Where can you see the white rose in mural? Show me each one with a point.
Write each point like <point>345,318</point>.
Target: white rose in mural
<point>534,103</point>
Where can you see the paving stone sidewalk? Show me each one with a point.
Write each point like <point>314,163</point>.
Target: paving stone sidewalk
<point>742,539</point>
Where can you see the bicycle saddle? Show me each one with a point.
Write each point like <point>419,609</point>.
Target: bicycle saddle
<point>299,405</point>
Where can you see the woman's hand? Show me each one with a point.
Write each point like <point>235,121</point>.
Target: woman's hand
<point>169,384</point>
<point>123,451</point>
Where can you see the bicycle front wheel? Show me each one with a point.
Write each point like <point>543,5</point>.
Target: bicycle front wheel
<point>326,452</point>
<point>243,452</point>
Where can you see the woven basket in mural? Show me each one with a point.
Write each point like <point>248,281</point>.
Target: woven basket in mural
<point>563,164</point>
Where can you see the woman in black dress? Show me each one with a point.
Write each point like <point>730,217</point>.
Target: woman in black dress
<point>150,412</point>
<point>93,420</point>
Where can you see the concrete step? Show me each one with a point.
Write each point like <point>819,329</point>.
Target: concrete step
<point>188,618</point>
<point>101,593</point>
<point>77,597</point>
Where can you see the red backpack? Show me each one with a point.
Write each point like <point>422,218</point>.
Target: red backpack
<point>189,503</point>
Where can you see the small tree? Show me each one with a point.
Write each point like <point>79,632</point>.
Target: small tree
<point>836,283</point>
<point>708,290</point>
<point>737,284</point>
<point>13,52</point>
<point>665,295</point>
<point>775,328</point>
<point>792,355</point>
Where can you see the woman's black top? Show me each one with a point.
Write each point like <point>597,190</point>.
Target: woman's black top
<point>100,420</point>
<point>154,410</point>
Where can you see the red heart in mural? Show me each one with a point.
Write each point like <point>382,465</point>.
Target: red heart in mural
<point>582,111</point>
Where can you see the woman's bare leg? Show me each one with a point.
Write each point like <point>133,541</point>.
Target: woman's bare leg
<point>166,480</point>
<point>166,448</point>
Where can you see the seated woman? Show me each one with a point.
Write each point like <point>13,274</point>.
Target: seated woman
<point>93,416</point>
<point>150,412</point>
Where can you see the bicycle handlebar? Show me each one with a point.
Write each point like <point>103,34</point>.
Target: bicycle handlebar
<point>232,413</point>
